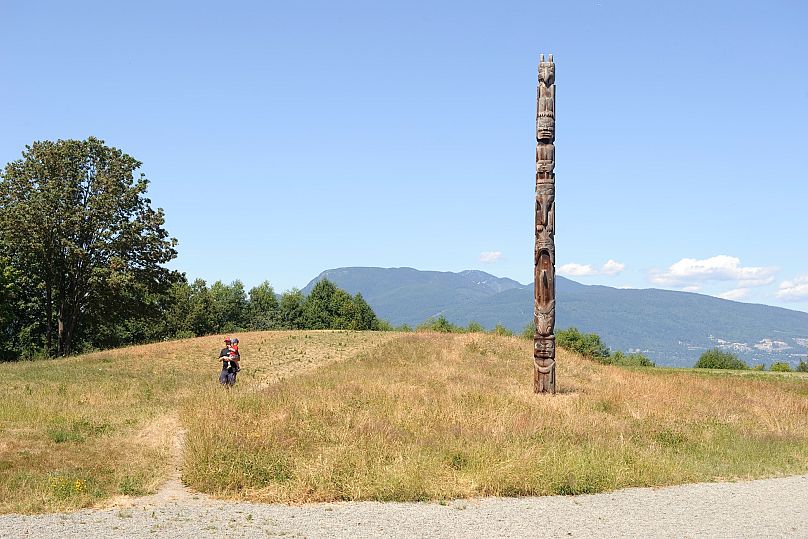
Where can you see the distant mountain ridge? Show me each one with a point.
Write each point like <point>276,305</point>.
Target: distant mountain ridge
<point>671,327</point>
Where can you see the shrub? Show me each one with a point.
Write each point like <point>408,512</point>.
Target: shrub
<point>719,359</point>
<point>631,360</point>
<point>439,324</point>
<point>587,344</point>
<point>475,327</point>
<point>529,332</point>
<point>803,366</point>
<point>502,331</point>
<point>759,367</point>
<point>384,325</point>
<point>780,366</point>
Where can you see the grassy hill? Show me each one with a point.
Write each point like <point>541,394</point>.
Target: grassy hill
<point>334,415</point>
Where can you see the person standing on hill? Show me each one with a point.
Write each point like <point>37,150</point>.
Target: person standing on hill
<point>228,375</point>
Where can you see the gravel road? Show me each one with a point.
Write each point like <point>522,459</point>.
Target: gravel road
<point>764,508</point>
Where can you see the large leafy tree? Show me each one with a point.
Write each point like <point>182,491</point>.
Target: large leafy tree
<point>229,305</point>
<point>323,306</point>
<point>363,315</point>
<point>74,218</point>
<point>330,307</point>
<point>291,307</point>
<point>263,310</point>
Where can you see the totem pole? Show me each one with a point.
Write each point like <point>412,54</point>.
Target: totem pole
<point>544,252</point>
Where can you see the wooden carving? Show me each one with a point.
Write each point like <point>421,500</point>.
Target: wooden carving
<point>544,252</point>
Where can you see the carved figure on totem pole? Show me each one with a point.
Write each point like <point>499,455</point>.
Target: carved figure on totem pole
<point>544,250</point>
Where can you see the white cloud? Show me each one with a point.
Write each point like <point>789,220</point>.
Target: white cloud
<point>611,267</point>
<point>692,288</point>
<point>735,294</point>
<point>490,257</point>
<point>691,272</point>
<point>576,270</point>
<point>794,290</point>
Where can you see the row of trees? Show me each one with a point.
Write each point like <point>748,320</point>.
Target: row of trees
<point>199,310</point>
<point>196,309</point>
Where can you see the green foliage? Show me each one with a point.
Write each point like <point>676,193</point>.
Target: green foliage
<point>201,317</point>
<point>630,360</point>
<point>384,325</point>
<point>263,309</point>
<point>291,309</point>
<point>719,359</point>
<point>759,367</point>
<point>529,332</point>
<point>587,344</point>
<point>75,220</point>
<point>322,308</point>
<point>439,324</point>
<point>229,303</point>
<point>9,304</point>
<point>502,331</point>
<point>329,307</point>
<point>780,366</point>
<point>131,486</point>
<point>364,317</point>
<point>475,327</point>
<point>803,366</point>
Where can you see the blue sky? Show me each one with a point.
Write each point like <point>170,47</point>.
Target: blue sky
<point>285,138</point>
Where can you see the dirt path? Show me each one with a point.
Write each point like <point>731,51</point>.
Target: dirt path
<point>764,508</point>
<point>173,491</point>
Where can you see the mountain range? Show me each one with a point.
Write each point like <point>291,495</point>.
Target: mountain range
<point>672,328</point>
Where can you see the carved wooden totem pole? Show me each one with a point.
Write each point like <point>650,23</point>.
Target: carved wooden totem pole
<point>544,253</point>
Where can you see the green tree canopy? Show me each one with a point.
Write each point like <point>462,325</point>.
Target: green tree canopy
<point>363,317</point>
<point>229,305</point>
<point>324,306</point>
<point>264,309</point>
<point>76,219</point>
<point>719,359</point>
<point>291,309</point>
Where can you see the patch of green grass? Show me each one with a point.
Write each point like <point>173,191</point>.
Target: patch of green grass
<point>131,486</point>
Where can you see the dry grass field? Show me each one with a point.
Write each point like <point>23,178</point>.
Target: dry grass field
<point>436,416</point>
<point>77,431</point>
<point>391,417</point>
